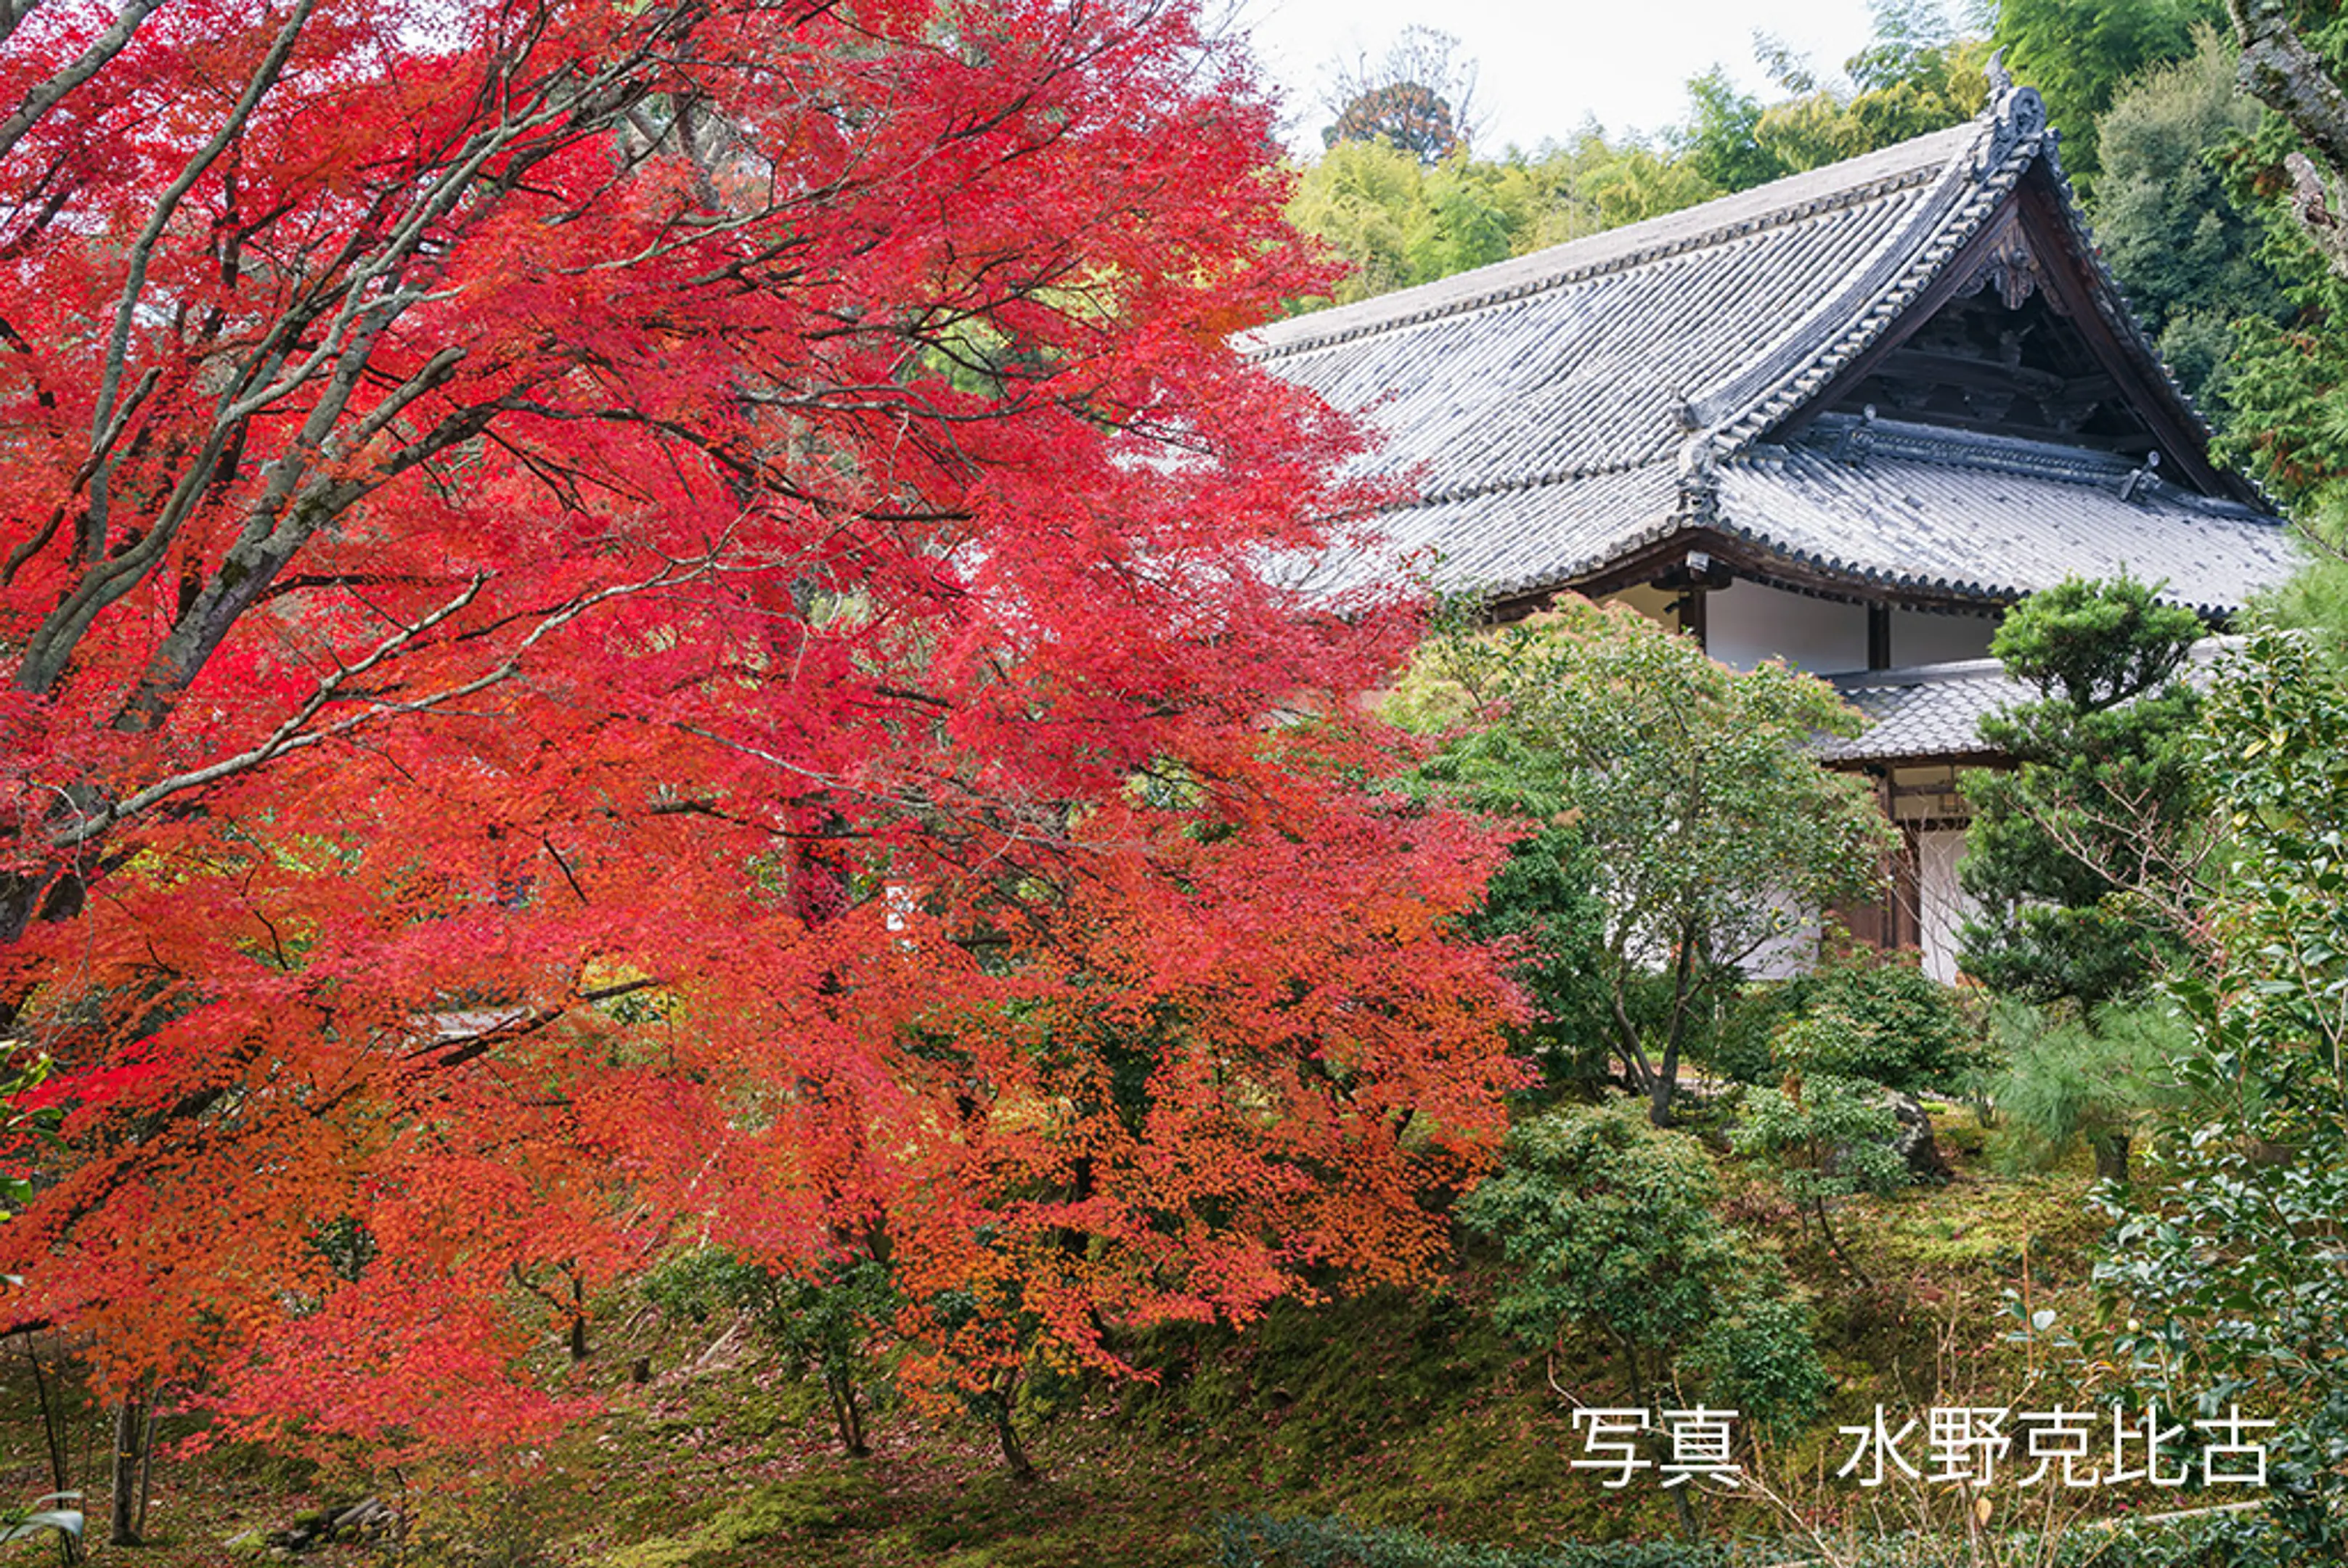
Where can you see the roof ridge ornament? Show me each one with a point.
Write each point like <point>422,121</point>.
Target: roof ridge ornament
<point>2015,115</point>
<point>1855,443</point>
<point>1698,488</point>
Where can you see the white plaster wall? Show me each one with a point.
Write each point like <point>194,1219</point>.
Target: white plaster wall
<point>1943,905</point>
<point>1793,953</point>
<point>1745,623</point>
<point>1918,638</point>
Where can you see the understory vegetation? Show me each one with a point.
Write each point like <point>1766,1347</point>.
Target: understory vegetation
<point>1412,1420</point>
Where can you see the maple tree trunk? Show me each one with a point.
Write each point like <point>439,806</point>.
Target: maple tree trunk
<point>23,901</point>
<point>146,1465</point>
<point>844,1413</point>
<point>578,1319</point>
<point>1006,1436</point>
<point>61,1475</point>
<point>133,1429</point>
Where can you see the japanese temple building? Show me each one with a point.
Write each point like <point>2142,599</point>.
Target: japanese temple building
<point>1845,419</point>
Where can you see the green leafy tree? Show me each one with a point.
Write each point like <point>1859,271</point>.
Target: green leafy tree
<point>1401,221</point>
<point>2294,52</point>
<point>1370,204</point>
<point>2289,376</point>
<point>2288,381</point>
<point>2082,856</point>
<point>1715,832</point>
<point>1899,1027</point>
<point>1612,1227</point>
<point>1590,184</point>
<point>1911,41</point>
<point>1916,74</point>
<point>2078,52</point>
<point>2186,248</point>
<point>1820,1135</point>
<point>2228,1257</point>
<point>1543,904</point>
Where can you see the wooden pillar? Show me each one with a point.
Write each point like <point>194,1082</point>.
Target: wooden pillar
<point>1908,889</point>
<point>1877,921</point>
<point>1879,637</point>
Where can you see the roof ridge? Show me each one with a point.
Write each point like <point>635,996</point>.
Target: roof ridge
<point>1934,674</point>
<point>1831,434</point>
<point>1379,313</point>
<point>2013,134</point>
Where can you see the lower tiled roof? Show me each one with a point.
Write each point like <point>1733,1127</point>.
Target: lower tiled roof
<point>1928,710</point>
<point>1992,519</point>
<point>1519,538</point>
<point>1891,509</point>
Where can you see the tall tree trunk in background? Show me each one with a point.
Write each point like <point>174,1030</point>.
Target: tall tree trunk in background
<point>2112,1157</point>
<point>2280,71</point>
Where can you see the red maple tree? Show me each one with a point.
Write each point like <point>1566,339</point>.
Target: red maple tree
<point>629,625</point>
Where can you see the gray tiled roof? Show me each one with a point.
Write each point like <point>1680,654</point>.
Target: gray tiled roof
<point>1934,711</point>
<point>1562,409</point>
<point>1930,711</point>
<point>1992,518</point>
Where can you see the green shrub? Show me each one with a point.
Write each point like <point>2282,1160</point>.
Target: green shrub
<point>824,1322</point>
<point>1906,1030</point>
<point>2222,1542</point>
<point>1611,1227</point>
<point>1820,1135</point>
<point>2073,1081</point>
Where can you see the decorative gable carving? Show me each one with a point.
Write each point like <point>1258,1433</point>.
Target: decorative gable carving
<point>2010,266</point>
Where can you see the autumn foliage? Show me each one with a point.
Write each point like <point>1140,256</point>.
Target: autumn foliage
<point>631,625</point>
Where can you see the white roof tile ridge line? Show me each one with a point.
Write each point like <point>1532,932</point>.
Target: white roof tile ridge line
<point>1469,492</point>
<point>1948,672</point>
<point>2204,651</point>
<point>1442,298</point>
<point>1737,429</point>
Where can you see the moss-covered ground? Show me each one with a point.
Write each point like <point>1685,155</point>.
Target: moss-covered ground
<point>1400,1408</point>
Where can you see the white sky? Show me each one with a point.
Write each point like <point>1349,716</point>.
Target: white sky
<point>1542,68</point>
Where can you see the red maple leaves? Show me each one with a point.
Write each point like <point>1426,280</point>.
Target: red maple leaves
<point>633,622</point>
